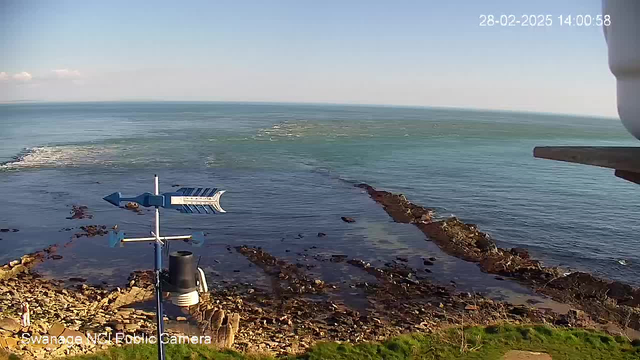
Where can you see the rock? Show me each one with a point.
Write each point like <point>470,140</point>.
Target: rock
<point>80,212</point>
<point>77,279</point>
<point>523,253</point>
<point>402,258</point>
<point>134,294</point>
<point>225,336</point>
<point>56,330</point>
<point>55,257</point>
<point>427,262</point>
<point>217,317</point>
<point>9,325</point>
<point>471,308</point>
<point>147,314</point>
<point>132,206</point>
<point>432,259</point>
<point>181,318</point>
<point>92,230</point>
<point>576,314</point>
<point>520,310</point>
<point>119,327</point>
<point>8,343</point>
<point>68,333</point>
<point>321,234</point>
<point>131,327</point>
<point>235,322</point>
<point>348,219</point>
<point>8,273</point>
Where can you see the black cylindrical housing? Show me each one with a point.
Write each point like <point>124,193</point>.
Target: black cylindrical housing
<point>182,268</point>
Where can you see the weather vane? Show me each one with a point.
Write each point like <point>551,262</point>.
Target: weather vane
<point>184,278</point>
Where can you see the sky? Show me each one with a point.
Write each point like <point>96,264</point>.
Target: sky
<point>424,53</point>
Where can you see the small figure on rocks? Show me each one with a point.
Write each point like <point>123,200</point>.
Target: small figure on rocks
<point>26,317</point>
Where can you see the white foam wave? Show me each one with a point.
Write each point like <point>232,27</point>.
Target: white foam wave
<point>57,156</point>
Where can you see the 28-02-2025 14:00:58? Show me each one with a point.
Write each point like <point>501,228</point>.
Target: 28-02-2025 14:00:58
<point>510,20</point>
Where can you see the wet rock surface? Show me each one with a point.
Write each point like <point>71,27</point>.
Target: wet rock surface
<point>80,212</point>
<point>134,207</point>
<point>610,301</point>
<point>296,315</point>
<point>91,231</point>
<point>398,207</point>
<point>289,278</point>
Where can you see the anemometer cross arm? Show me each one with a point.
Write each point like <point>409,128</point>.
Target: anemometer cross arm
<point>117,237</point>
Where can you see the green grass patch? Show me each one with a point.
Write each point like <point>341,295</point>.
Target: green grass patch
<point>484,343</point>
<point>181,352</point>
<point>477,343</point>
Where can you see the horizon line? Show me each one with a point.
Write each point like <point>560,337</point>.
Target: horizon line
<point>248,102</point>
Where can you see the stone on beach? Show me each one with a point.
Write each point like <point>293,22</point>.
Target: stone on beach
<point>9,324</point>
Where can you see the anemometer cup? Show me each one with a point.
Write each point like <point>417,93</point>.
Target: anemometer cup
<point>197,239</point>
<point>115,238</point>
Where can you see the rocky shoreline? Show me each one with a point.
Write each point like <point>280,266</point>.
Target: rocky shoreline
<point>288,320</point>
<point>302,309</point>
<point>242,316</point>
<point>604,300</point>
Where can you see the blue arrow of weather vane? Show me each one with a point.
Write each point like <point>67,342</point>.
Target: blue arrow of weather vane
<point>185,200</point>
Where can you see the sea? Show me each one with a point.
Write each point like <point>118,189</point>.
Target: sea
<point>289,172</point>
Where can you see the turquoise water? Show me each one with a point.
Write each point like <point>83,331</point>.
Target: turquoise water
<point>289,171</point>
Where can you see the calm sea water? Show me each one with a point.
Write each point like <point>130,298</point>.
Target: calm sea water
<point>289,171</point>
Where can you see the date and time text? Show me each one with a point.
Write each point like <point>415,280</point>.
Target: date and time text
<point>512,20</point>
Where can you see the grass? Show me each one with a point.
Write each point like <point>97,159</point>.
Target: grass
<point>6,356</point>
<point>474,343</point>
<point>485,343</point>
<point>173,352</point>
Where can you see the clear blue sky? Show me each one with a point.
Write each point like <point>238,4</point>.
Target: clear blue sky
<point>430,53</point>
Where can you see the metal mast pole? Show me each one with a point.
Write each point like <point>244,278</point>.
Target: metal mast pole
<point>158,268</point>
<point>187,201</point>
